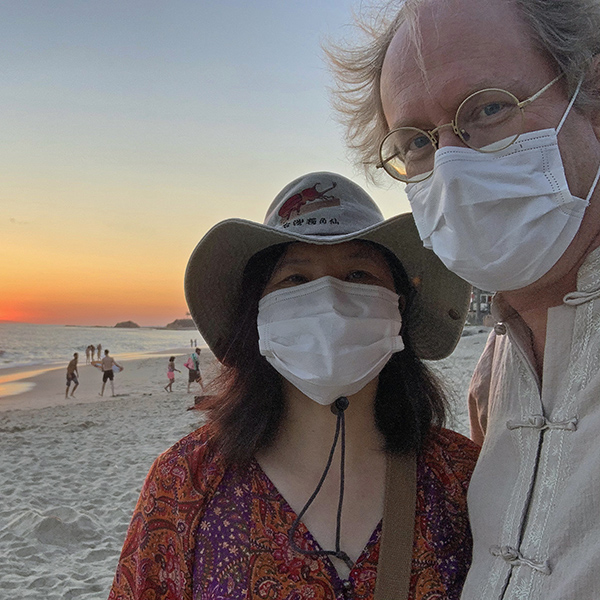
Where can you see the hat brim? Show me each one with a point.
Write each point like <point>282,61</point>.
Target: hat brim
<point>214,274</point>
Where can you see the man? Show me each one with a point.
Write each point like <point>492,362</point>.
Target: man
<point>194,375</point>
<point>72,375</point>
<point>503,187</point>
<point>107,363</point>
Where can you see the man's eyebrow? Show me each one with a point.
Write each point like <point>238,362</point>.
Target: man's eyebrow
<point>512,85</point>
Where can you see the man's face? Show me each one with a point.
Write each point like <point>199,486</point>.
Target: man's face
<point>468,45</point>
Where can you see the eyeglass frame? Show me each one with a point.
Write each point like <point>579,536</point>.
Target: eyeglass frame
<point>433,134</point>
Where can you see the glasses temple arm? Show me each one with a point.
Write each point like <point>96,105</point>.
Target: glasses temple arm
<point>538,94</point>
<point>566,114</point>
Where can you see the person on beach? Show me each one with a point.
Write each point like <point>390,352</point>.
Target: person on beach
<point>321,318</point>
<point>72,375</point>
<point>171,374</point>
<point>87,355</point>
<point>107,364</point>
<point>489,112</point>
<point>98,350</point>
<point>194,374</point>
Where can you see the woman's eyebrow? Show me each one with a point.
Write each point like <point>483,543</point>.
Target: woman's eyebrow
<point>364,253</point>
<point>285,261</point>
<point>290,262</point>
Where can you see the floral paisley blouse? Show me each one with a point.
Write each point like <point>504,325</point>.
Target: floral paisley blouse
<point>201,531</point>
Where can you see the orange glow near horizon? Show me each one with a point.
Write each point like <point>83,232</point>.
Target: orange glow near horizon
<point>59,286</point>
<point>75,269</point>
<point>89,302</point>
<point>10,313</point>
<point>56,311</point>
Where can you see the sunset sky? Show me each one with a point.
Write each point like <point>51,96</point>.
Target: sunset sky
<point>129,128</point>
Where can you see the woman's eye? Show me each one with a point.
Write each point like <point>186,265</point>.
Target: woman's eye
<point>296,279</point>
<point>358,276</point>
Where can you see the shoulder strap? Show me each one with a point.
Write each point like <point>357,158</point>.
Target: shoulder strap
<point>396,549</point>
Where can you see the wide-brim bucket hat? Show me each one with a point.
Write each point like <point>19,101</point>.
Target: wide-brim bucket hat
<point>323,209</point>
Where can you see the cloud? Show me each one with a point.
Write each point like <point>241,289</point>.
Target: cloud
<point>16,222</point>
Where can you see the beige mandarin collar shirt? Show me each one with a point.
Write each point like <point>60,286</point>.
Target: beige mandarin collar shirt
<point>534,499</point>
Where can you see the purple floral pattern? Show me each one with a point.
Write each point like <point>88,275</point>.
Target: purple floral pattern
<point>202,531</point>
<point>243,549</point>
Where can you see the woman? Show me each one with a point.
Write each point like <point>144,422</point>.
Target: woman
<point>171,368</point>
<point>320,318</point>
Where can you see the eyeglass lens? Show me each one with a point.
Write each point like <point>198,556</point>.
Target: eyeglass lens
<point>488,121</point>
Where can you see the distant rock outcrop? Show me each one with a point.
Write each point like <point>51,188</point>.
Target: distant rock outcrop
<point>127,325</point>
<point>181,324</point>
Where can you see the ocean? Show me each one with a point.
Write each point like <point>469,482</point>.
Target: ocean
<point>27,344</point>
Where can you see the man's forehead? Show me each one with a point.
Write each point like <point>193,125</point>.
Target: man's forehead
<point>460,31</point>
<point>461,16</point>
<point>451,48</point>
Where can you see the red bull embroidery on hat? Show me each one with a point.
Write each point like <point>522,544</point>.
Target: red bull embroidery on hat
<point>299,203</point>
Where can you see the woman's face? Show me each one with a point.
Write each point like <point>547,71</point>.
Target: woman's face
<point>354,261</point>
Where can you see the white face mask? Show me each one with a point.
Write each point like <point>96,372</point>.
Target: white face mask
<point>499,220</point>
<point>329,338</point>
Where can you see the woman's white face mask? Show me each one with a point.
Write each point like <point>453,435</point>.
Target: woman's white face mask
<point>328,337</point>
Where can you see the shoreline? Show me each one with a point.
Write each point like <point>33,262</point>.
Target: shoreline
<point>42,386</point>
<point>58,364</point>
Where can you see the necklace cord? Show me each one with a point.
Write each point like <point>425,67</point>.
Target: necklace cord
<point>338,408</point>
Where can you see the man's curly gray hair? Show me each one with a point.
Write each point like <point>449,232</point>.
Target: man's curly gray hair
<point>568,30</point>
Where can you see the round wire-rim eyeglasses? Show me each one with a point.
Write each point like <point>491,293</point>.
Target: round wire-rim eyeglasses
<point>433,134</point>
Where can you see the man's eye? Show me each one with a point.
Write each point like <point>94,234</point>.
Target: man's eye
<point>492,109</point>
<point>419,142</point>
<point>491,113</point>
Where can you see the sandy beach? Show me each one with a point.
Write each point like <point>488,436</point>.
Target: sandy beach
<point>71,470</point>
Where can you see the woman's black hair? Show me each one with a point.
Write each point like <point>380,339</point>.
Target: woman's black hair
<point>410,399</point>
<point>247,409</point>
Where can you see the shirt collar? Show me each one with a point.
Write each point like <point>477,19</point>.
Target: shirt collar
<point>588,288</point>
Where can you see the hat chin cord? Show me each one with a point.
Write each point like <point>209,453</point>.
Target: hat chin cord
<point>337,408</point>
